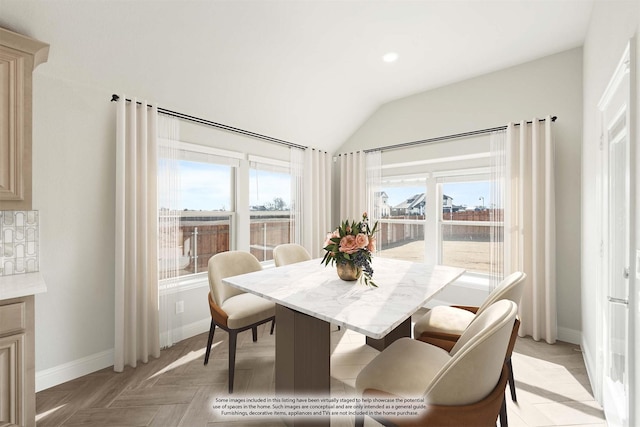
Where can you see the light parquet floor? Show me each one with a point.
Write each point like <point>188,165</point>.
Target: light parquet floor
<point>177,390</point>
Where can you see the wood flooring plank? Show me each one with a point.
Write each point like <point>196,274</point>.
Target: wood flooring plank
<point>200,411</point>
<point>113,417</point>
<point>169,415</point>
<point>159,395</point>
<point>177,390</point>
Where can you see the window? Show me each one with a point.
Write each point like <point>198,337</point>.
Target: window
<point>270,207</point>
<point>197,206</point>
<point>402,208</point>
<point>466,232</point>
<point>446,217</point>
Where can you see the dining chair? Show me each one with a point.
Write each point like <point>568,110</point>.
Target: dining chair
<point>443,325</point>
<point>464,386</point>
<point>289,253</point>
<point>232,309</point>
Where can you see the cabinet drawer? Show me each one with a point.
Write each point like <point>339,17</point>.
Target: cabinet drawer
<point>12,318</point>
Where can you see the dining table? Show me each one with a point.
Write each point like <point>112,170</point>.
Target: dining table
<point>310,297</point>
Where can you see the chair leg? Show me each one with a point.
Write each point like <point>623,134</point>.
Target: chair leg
<point>254,333</point>
<point>359,421</point>
<point>212,330</point>
<point>273,325</point>
<point>512,383</point>
<point>503,413</point>
<point>232,358</point>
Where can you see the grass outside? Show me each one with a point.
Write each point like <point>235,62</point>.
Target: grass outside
<point>472,256</point>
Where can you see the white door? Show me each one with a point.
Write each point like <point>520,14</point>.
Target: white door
<point>616,255</point>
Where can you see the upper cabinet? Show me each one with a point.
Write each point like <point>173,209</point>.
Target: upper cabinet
<point>19,55</point>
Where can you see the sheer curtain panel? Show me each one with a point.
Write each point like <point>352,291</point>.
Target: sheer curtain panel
<point>353,177</point>
<point>297,182</point>
<point>529,224</point>
<point>373,161</point>
<point>136,270</point>
<point>170,239</point>
<point>317,200</point>
<point>498,142</point>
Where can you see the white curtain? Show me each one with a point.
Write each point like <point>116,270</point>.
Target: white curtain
<point>373,161</point>
<point>498,142</point>
<point>317,200</point>
<point>171,251</point>
<point>353,178</point>
<point>136,269</point>
<point>297,191</point>
<point>529,224</point>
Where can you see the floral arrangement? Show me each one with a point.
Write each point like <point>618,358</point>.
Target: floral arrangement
<point>352,243</point>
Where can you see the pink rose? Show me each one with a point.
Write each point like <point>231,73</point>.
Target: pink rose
<point>362,240</point>
<point>328,241</point>
<point>371,247</point>
<point>348,244</point>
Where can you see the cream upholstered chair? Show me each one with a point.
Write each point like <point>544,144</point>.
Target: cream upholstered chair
<point>232,309</point>
<point>443,325</point>
<point>464,386</point>
<point>289,253</point>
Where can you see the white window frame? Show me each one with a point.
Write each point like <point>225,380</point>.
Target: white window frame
<point>458,176</point>
<point>269,164</point>
<point>204,154</point>
<point>433,218</point>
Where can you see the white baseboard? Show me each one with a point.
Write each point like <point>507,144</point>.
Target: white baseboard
<point>186,331</point>
<point>590,365</point>
<point>51,377</point>
<point>570,335</point>
<point>47,378</point>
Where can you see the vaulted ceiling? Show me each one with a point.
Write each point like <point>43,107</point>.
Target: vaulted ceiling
<point>305,71</point>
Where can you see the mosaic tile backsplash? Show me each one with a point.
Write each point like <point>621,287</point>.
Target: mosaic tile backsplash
<point>18,242</point>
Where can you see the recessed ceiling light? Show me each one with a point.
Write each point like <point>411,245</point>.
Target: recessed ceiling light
<point>390,57</point>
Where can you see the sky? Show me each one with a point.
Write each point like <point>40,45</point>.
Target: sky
<point>464,194</point>
<point>208,187</point>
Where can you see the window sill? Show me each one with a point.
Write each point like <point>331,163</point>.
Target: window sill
<point>195,281</point>
<point>476,281</point>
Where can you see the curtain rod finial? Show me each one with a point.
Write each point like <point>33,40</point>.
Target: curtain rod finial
<point>554,118</point>
<point>114,97</point>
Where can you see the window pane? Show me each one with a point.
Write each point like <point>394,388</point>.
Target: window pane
<point>203,234</point>
<point>465,197</point>
<point>270,220</point>
<point>471,246</point>
<point>203,209</point>
<point>205,186</point>
<point>402,208</point>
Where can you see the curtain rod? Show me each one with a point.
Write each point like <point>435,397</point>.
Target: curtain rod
<point>232,129</point>
<point>447,137</point>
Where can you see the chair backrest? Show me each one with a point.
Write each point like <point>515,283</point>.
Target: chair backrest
<point>289,253</point>
<point>227,264</point>
<point>511,288</point>
<point>477,358</point>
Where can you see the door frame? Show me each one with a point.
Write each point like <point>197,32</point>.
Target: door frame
<point>626,66</point>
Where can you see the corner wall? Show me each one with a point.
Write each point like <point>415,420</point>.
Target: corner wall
<point>550,85</point>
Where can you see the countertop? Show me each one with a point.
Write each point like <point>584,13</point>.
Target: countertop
<point>20,285</point>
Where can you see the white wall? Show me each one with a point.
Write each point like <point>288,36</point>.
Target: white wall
<point>73,188</point>
<point>612,25</point>
<point>550,85</point>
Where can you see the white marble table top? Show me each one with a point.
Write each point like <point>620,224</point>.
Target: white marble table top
<point>311,288</point>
